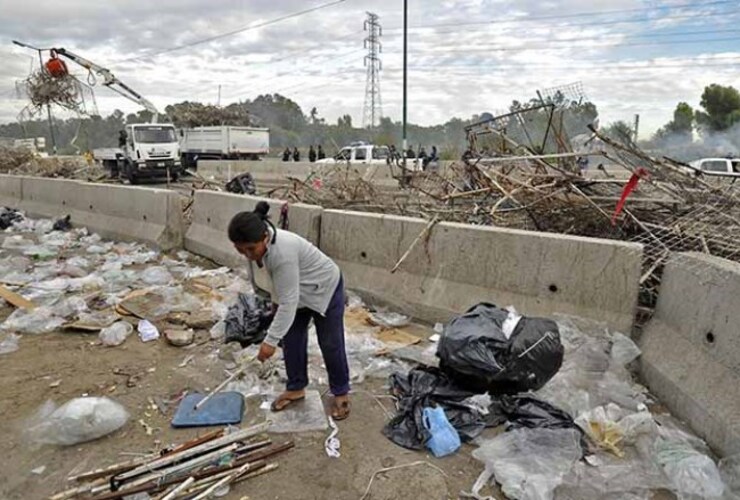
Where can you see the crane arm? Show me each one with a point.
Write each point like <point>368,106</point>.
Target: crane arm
<point>110,81</point>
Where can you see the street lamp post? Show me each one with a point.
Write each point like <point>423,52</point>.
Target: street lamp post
<point>405,54</point>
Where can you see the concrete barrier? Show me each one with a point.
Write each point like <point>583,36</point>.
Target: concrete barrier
<point>460,265</point>
<point>691,347</point>
<point>127,213</point>
<point>212,212</point>
<point>10,190</point>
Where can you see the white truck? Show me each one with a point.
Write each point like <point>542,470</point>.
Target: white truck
<point>145,150</point>
<point>718,167</point>
<point>359,154</point>
<point>223,142</point>
<point>150,150</point>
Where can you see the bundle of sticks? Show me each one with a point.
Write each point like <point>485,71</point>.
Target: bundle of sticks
<point>193,470</point>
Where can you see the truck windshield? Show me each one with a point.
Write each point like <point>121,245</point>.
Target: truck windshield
<point>154,134</point>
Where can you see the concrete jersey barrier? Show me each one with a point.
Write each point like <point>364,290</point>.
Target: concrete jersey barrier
<point>212,212</point>
<point>460,265</point>
<point>127,213</point>
<point>691,347</point>
<point>10,190</point>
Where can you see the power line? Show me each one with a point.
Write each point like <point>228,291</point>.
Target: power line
<point>235,32</point>
<point>570,16</point>
<point>590,24</point>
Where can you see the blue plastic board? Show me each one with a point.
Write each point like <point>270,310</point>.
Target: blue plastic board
<point>222,409</point>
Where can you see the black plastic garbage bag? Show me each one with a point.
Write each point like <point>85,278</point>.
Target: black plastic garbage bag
<point>429,387</point>
<point>475,352</point>
<point>9,216</point>
<point>247,321</point>
<point>63,224</point>
<point>242,184</point>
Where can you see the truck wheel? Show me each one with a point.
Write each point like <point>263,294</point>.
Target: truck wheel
<point>131,175</point>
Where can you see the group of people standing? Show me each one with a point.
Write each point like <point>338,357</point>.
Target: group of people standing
<point>313,154</point>
<point>426,159</point>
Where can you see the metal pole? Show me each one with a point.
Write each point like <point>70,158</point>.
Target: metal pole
<point>405,80</point>
<point>48,113</point>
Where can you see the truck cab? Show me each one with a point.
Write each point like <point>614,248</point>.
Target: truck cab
<point>718,166</point>
<point>359,154</point>
<point>151,150</point>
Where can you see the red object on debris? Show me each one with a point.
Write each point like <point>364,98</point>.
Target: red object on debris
<point>56,67</point>
<point>628,188</point>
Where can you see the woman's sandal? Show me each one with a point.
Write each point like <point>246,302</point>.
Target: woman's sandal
<point>340,410</point>
<point>284,402</point>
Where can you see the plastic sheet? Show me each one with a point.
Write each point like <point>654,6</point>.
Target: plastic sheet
<point>729,471</point>
<point>9,343</point>
<point>389,319</point>
<point>692,473</point>
<point>479,356</point>
<point>156,275</point>
<point>530,463</point>
<point>116,334</point>
<point>38,320</point>
<point>77,421</point>
<point>624,350</point>
<point>147,331</point>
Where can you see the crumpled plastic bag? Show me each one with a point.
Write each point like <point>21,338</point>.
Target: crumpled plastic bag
<point>247,321</point>
<point>156,275</point>
<point>37,320</point>
<point>529,463</point>
<point>77,421</point>
<point>9,343</point>
<point>476,352</point>
<point>116,334</point>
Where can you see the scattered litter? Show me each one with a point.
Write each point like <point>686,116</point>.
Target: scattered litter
<point>624,350</point>
<point>332,443</point>
<point>38,470</point>
<point>77,421</point>
<point>479,356</point>
<point>248,319</point>
<point>389,319</point>
<point>397,337</point>
<point>9,343</point>
<point>303,416</point>
<point>8,217</point>
<point>15,299</point>
<point>147,331</point>
<point>529,463</point>
<point>435,338</point>
<point>187,360</point>
<point>443,438</point>
<point>63,224</point>
<point>56,383</point>
<point>396,467</point>
<point>156,275</point>
<point>147,428</point>
<point>179,338</point>
<point>116,334</point>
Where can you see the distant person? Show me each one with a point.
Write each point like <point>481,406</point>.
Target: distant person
<point>321,153</point>
<point>296,154</point>
<point>582,163</point>
<point>410,153</point>
<point>286,154</point>
<point>391,154</point>
<point>311,154</point>
<point>433,157</point>
<point>122,138</point>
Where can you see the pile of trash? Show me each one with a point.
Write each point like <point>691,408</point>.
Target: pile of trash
<point>20,161</point>
<point>578,430</point>
<point>58,276</point>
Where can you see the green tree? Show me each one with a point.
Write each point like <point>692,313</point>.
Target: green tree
<point>619,131</point>
<point>721,108</point>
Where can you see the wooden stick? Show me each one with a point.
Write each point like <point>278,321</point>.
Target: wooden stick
<point>222,482</point>
<point>413,244</point>
<point>15,299</point>
<point>223,384</point>
<point>170,495</point>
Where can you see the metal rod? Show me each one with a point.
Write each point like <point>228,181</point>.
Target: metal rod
<point>424,232</point>
<point>231,377</point>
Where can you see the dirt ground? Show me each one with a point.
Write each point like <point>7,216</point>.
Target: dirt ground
<point>86,367</point>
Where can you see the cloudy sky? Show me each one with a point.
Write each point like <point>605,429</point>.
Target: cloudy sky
<point>465,56</point>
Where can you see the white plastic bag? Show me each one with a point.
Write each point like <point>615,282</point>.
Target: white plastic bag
<point>530,463</point>
<point>692,473</point>
<point>116,334</point>
<point>9,343</point>
<point>77,421</point>
<point>156,275</point>
<point>147,331</point>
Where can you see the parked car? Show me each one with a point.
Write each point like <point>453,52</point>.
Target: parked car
<point>360,154</point>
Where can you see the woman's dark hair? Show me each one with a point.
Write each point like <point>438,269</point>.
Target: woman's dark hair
<point>250,227</point>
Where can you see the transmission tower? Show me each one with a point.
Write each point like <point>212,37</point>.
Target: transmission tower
<point>373,109</point>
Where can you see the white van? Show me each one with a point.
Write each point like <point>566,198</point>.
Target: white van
<point>360,154</point>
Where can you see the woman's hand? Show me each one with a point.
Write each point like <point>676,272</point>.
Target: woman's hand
<point>266,352</point>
